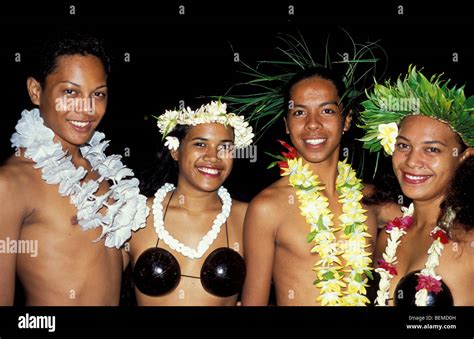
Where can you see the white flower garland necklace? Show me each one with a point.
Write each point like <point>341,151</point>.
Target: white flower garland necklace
<point>208,238</point>
<point>127,213</point>
<point>331,278</point>
<point>428,280</point>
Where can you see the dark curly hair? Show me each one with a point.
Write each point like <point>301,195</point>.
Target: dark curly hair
<point>386,190</point>
<point>164,169</point>
<point>460,196</point>
<point>69,43</point>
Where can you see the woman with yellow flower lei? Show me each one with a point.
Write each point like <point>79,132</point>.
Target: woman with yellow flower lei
<point>317,201</point>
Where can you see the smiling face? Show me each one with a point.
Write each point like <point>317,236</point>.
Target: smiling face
<point>205,156</point>
<point>315,122</point>
<point>73,99</point>
<point>427,153</point>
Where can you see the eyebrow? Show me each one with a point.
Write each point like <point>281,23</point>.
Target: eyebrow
<point>320,105</point>
<point>425,142</point>
<point>205,139</point>
<point>77,85</point>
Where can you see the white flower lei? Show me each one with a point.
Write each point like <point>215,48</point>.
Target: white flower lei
<point>127,213</point>
<point>214,112</point>
<point>389,256</point>
<point>206,241</point>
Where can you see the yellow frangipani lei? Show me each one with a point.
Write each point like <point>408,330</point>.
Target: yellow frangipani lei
<point>340,283</point>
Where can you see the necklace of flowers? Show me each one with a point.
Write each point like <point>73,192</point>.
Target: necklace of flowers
<point>128,211</point>
<point>208,238</point>
<point>336,289</point>
<point>428,280</point>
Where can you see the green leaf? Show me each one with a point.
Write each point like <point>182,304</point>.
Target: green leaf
<point>276,156</point>
<point>368,273</point>
<point>273,164</point>
<point>368,137</point>
<point>260,96</point>
<point>328,276</point>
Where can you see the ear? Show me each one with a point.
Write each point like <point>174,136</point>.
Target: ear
<point>174,154</point>
<point>348,121</point>
<point>469,152</point>
<point>34,90</point>
<point>286,126</point>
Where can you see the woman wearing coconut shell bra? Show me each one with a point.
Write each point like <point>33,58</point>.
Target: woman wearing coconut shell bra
<point>425,257</point>
<point>190,253</point>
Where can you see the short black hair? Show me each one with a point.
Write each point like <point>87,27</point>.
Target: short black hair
<point>317,72</point>
<point>69,43</point>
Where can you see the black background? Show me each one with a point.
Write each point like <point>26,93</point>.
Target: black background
<point>181,57</point>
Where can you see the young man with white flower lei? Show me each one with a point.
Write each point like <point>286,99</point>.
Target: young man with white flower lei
<point>424,258</point>
<point>309,231</point>
<point>190,253</point>
<point>60,191</point>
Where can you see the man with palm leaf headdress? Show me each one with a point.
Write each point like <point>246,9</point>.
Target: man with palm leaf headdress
<point>309,232</point>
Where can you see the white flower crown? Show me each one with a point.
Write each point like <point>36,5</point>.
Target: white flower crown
<point>214,112</point>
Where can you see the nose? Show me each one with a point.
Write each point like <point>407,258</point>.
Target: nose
<point>212,154</point>
<point>85,105</point>
<point>312,122</point>
<point>414,159</point>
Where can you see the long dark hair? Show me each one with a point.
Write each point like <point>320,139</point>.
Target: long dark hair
<point>164,169</point>
<point>386,190</point>
<point>460,196</point>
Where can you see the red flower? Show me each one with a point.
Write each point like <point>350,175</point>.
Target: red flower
<point>403,223</point>
<point>441,235</point>
<point>292,154</point>
<point>431,284</point>
<point>386,266</point>
<point>282,165</point>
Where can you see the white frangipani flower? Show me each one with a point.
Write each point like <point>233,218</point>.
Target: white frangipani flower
<point>387,135</point>
<point>172,143</point>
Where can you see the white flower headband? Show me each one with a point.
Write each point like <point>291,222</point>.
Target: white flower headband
<point>214,112</point>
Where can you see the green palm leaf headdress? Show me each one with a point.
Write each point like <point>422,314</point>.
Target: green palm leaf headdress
<point>387,104</point>
<point>263,98</point>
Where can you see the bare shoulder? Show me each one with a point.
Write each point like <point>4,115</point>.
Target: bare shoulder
<point>269,205</point>
<point>239,208</point>
<point>273,196</point>
<point>16,176</point>
<point>17,179</point>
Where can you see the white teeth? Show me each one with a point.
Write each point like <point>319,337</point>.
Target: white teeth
<point>415,177</point>
<point>208,170</point>
<point>79,123</point>
<point>314,141</point>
